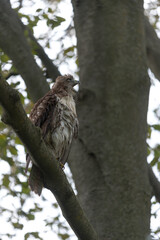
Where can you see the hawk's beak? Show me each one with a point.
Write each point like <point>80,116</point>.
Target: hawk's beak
<point>74,82</point>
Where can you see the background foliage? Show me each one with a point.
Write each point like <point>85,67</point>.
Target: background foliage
<point>19,206</point>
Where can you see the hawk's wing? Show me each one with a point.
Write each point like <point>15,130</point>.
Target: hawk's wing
<point>43,111</point>
<point>42,115</point>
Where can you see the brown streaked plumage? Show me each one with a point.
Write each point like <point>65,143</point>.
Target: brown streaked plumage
<point>55,114</point>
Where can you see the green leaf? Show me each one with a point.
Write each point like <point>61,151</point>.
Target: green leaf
<point>36,209</point>
<point>22,98</point>
<point>6,180</point>
<point>48,45</point>
<point>69,50</point>
<point>30,216</point>
<point>15,84</point>
<point>18,141</point>
<point>63,236</point>
<point>17,225</point>
<point>148,151</point>
<point>55,205</point>
<point>13,150</point>
<point>59,19</point>
<point>39,10</point>
<point>25,190</point>
<point>45,16</point>
<point>50,10</point>
<point>77,62</point>
<point>34,234</point>
<point>156,127</point>
<point>4,58</point>
<point>2,138</point>
<point>33,23</point>
<point>54,22</point>
<point>156,152</point>
<point>158,166</point>
<point>149,132</point>
<point>9,160</point>
<point>154,161</point>
<point>158,230</point>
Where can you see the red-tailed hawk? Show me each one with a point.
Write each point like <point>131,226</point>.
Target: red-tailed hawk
<point>55,114</point>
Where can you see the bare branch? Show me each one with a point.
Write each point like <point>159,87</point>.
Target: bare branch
<point>154,183</point>
<point>52,70</point>
<point>15,45</point>
<point>54,177</point>
<point>152,49</point>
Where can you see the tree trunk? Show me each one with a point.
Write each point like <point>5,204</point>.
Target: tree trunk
<point>108,161</point>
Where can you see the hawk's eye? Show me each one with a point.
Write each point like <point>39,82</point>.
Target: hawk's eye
<point>68,80</point>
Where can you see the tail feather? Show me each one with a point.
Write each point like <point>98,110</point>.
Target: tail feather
<point>36,180</point>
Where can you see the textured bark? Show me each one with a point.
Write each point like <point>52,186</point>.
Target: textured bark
<point>14,44</point>
<point>54,177</point>
<point>109,161</point>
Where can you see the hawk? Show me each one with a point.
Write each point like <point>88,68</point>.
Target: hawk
<point>55,114</point>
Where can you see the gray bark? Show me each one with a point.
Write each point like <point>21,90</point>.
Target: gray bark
<point>108,161</point>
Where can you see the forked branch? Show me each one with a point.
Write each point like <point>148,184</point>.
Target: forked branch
<point>55,179</point>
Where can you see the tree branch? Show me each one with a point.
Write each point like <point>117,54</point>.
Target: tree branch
<point>14,44</point>
<point>55,179</point>
<point>154,183</point>
<point>152,49</point>
<point>52,70</point>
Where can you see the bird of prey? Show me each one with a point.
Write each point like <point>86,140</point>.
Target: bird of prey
<point>55,114</point>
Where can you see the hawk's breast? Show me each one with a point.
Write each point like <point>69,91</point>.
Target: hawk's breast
<point>63,134</point>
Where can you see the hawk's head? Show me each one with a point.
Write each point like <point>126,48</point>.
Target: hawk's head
<point>66,82</point>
